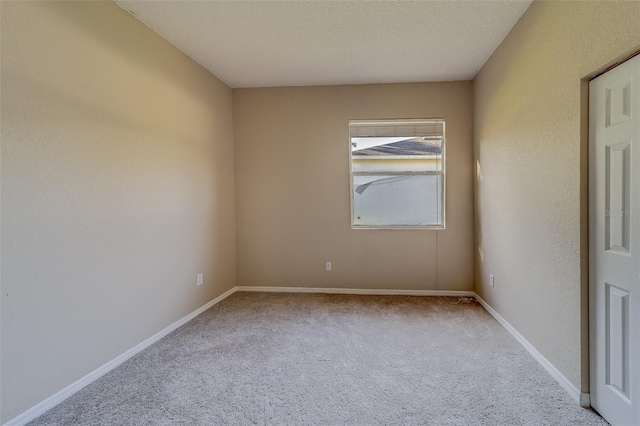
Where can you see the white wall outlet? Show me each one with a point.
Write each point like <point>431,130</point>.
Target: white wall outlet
<point>491,280</point>
<point>200,279</point>
<point>327,266</point>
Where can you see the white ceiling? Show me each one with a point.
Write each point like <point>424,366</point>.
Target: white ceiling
<point>294,43</point>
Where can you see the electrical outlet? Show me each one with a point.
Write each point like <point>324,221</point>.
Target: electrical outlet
<point>327,266</point>
<point>200,279</point>
<point>491,280</point>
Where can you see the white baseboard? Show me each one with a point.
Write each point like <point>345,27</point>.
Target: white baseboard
<point>573,391</point>
<point>369,292</point>
<point>65,393</point>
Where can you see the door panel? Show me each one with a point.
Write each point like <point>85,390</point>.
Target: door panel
<point>617,317</point>
<point>614,189</point>
<point>617,176</point>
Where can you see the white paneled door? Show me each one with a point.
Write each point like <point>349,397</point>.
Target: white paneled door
<point>614,189</point>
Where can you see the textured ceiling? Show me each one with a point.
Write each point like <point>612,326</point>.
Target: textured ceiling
<point>293,43</point>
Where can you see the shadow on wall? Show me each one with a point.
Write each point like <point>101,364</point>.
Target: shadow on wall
<point>136,47</point>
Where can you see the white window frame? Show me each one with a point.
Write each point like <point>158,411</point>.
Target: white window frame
<point>442,173</point>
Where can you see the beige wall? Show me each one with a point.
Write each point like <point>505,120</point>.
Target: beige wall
<point>117,189</point>
<point>530,143</point>
<point>292,190</point>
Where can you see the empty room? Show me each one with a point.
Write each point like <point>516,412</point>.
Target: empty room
<point>320,212</point>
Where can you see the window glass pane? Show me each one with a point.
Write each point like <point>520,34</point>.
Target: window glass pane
<point>386,200</point>
<point>396,154</point>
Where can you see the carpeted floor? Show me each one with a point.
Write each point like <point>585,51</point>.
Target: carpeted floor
<point>289,359</point>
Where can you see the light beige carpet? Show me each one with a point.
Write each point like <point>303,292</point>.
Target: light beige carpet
<point>289,359</point>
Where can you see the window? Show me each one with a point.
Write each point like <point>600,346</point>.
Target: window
<point>397,173</point>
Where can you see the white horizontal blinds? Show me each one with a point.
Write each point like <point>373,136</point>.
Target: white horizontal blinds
<point>409,128</point>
